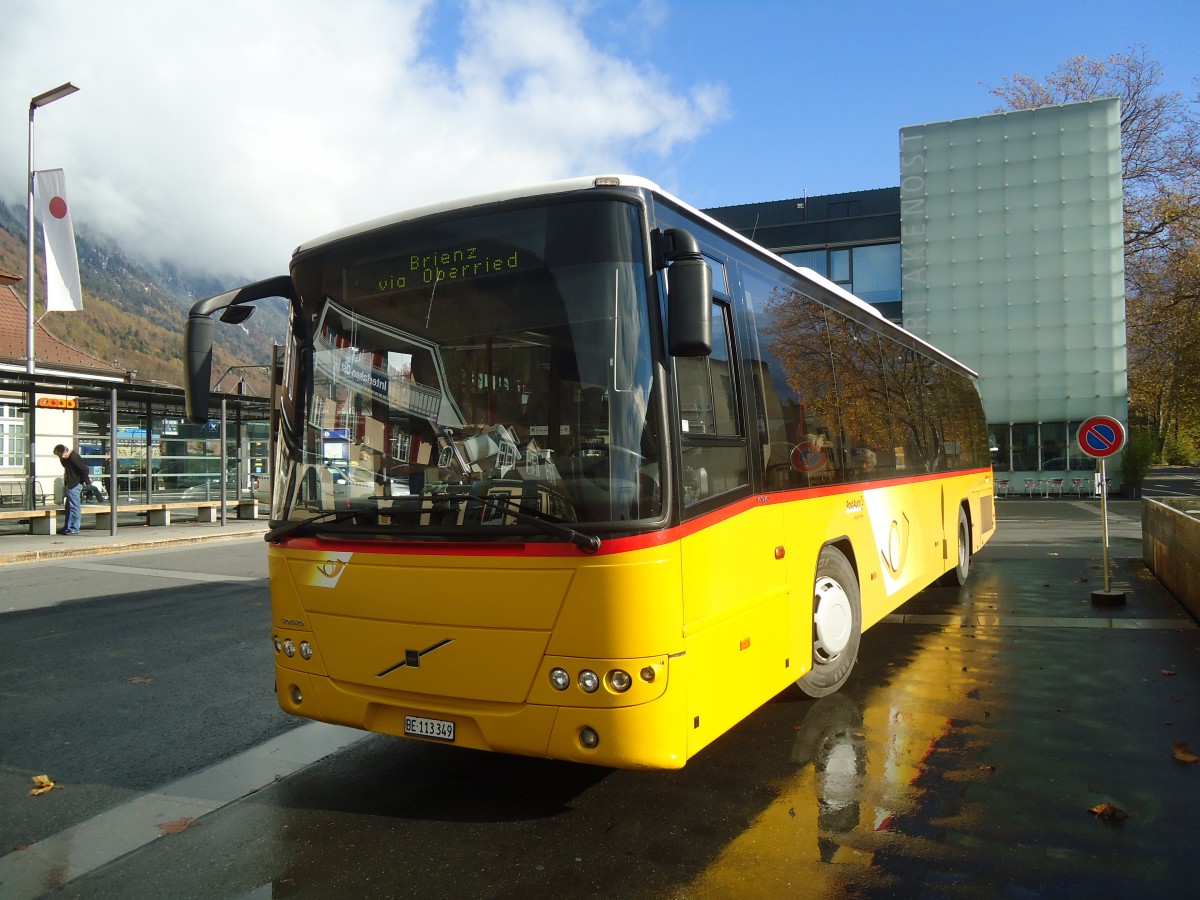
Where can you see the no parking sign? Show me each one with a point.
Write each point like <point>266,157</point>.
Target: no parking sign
<point>1101,436</point>
<point>808,456</point>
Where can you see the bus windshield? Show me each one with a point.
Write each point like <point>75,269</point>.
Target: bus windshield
<point>474,372</point>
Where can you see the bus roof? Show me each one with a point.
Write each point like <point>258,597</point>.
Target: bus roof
<point>584,183</point>
<point>516,193</point>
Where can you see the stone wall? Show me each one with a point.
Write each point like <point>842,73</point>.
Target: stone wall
<point>1171,547</point>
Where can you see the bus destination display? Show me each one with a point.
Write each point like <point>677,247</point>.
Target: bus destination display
<point>458,263</point>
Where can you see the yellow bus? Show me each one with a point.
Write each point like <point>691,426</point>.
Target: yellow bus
<point>577,472</point>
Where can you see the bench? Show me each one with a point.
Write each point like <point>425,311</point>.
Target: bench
<point>41,521</point>
<point>156,513</point>
<point>45,521</point>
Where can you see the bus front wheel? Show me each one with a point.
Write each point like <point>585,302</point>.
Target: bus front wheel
<point>837,624</point>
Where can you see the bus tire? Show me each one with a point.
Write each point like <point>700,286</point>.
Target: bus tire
<point>957,576</point>
<point>837,624</point>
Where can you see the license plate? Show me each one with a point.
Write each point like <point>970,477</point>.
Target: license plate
<point>438,729</point>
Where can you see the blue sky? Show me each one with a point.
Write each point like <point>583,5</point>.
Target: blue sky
<point>221,135</point>
<point>820,90</point>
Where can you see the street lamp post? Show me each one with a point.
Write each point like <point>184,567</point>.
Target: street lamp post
<point>63,90</point>
<point>40,100</point>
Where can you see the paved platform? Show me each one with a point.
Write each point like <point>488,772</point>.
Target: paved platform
<point>990,743</point>
<point>16,547</point>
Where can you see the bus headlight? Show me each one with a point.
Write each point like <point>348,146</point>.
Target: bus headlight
<point>589,681</point>
<point>289,648</point>
<point>619,680</point>
<point>306,650</point>
<point>588,737</point>
<point>278,643</point>
<point>559,679</point>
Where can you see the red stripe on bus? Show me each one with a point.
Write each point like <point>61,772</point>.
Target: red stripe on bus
<point>614,545</point>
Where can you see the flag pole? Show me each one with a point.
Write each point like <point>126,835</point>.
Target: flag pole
<point>29,366</point>
<point>63,90</point>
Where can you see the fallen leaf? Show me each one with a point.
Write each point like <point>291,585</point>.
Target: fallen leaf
<point>177,826</point>
<point>1168,672</point>
<point>1106,812</point>
<point>1183,753</point>
<point>138,680</point>
<point>42,784</point>
<point>987,768</point>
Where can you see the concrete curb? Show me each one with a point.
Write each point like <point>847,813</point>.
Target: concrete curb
<point>47,553</point>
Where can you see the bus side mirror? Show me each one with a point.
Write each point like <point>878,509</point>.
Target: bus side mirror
<point>689,296</point>
<point>198,336</point>
<point>198,342</point>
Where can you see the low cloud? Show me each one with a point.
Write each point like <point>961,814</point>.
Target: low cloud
<point>219,136</point>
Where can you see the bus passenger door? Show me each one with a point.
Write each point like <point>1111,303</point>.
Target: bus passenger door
<point>734,583</point>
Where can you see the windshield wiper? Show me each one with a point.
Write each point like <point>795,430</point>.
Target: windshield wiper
<point>588,543</point>
<point>279,532</point>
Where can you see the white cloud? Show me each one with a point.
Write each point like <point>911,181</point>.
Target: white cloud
<point>220,135</point>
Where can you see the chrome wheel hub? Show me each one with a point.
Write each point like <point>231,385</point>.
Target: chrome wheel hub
<point>833,616</point>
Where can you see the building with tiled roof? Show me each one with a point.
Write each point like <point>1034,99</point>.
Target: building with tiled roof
<point>50,352</point>
<point>124,428</point>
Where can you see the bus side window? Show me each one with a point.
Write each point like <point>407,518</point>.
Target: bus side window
<point>713,440</point>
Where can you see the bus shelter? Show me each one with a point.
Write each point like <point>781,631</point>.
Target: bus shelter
<point>144,456</point>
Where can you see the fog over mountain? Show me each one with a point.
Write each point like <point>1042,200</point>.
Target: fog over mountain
<point>219,136</point>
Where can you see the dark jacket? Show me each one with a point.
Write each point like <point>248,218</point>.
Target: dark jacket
<point>75,470</point>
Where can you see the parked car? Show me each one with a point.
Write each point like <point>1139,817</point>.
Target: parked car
<point>1078,463</point>
<point>211,490</point>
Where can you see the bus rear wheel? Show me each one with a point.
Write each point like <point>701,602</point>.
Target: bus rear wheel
<point>957,576</point>
<point>837,624</point>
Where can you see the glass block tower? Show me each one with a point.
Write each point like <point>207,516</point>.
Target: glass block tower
<point>1012,261</point>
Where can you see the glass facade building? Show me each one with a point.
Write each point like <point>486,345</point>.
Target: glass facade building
<point>1003,246</point>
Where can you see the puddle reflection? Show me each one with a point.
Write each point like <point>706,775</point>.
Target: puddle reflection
<point>841,774</point>
<point>859,762</point>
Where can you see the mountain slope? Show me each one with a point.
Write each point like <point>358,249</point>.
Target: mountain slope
<point>133,313</point>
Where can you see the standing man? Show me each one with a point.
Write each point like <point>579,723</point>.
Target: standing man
<point>75,475</point>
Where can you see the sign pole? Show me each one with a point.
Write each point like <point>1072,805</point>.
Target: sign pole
<point>1104,524</point>
<point>1100,437</point>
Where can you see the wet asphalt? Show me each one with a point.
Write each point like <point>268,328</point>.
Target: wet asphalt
<point>1005,739</point>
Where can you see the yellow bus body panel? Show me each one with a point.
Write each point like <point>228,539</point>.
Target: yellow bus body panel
<point>719,617</point>
<point>472,640</point>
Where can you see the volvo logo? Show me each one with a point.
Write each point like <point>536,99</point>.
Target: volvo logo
<point>412,658</point>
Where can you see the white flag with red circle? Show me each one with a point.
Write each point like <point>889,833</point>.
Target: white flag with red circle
<point>63,292</point>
